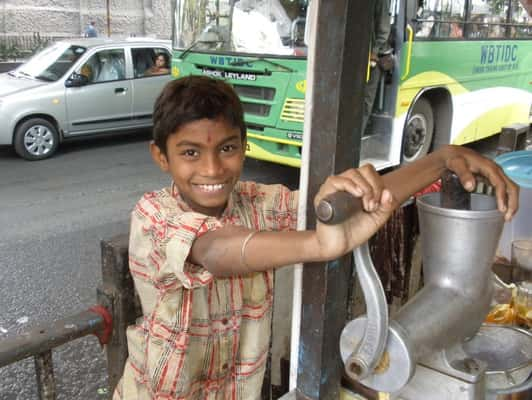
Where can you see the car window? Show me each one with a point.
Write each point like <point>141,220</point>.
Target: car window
<point>105,66</point>
<point>150,61</point>
<point>53,62</point>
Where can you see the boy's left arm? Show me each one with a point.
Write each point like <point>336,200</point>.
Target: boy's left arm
<point>464,162</point>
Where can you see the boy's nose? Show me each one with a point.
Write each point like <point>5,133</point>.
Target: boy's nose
<point>212,166</point>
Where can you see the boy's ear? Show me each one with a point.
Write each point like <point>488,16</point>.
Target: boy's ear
<point>158,157</point>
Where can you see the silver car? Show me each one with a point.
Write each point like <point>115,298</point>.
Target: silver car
<point>81,87</point>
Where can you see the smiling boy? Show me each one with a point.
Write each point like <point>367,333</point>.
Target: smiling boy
<point>202,251</point>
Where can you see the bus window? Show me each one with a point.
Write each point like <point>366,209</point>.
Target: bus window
<point>262,27</point>
<point>495,20</point>
<point>442,19</point>
<point>521,22</point>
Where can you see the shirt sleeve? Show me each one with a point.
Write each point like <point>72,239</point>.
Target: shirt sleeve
<point>181,233</point>
<point>159,246</point>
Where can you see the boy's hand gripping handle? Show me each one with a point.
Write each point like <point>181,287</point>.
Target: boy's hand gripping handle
<point>335,209</point>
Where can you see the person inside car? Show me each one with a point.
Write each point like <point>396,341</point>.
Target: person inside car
<point>160,66</point>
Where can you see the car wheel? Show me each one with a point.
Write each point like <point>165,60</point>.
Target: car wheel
<point>36,139</point>
<point>418,132</point>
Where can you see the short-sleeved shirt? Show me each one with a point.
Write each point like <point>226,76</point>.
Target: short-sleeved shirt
<point>200,337</point>
<point>91,32</point>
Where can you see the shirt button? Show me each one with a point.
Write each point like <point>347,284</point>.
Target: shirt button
<point>225,321</point>
<point>224,366</point>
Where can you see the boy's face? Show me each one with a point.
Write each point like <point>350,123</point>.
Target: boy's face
<point>205,158</point>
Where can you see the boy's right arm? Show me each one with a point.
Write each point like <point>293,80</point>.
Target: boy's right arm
<point>226,252</point>
<point>231,251</point>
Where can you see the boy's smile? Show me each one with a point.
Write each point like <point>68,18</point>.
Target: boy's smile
<point>205,158</point>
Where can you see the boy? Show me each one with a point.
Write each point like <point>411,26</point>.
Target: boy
<point>202,251</point>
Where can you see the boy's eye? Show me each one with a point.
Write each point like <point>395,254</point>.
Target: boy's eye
<point>228,148</point>
<point>190,153</point>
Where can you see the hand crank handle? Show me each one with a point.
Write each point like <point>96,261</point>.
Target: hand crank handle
<point>334,209</point>
<point>337,207</point>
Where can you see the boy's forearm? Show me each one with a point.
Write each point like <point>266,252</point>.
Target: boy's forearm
<point>407,180</point>
<point>220,252</point>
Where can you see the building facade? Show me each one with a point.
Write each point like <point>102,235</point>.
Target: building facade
<point>70,18</point>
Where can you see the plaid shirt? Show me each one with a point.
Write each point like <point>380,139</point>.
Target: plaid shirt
<point>201,337</point>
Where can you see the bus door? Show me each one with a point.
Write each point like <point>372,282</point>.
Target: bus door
<point>388,67</point>
<point>383,79</point>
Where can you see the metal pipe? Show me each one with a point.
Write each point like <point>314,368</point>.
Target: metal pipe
<point>302,205</point>
<point>47,336</point>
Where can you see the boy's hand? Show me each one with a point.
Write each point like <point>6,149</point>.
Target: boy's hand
<point>465,162</point>
<point>377,205</point>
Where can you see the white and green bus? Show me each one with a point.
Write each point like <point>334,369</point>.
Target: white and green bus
<point>462,71</point>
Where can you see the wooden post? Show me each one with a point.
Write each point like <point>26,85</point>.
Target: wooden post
<point>336,73</point>
<point>117,294</point>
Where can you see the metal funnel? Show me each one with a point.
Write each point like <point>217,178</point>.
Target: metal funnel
<point>458,248</point>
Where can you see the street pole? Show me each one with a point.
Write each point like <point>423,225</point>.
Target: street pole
<point>108,4</point>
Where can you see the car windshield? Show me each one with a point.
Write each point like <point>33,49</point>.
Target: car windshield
<point>272,27</point>
<point>51,63</point>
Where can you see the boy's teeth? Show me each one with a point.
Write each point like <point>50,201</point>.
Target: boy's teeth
<point>211,188</point>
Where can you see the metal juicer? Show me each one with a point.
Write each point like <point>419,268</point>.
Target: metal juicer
<point>436,346</point>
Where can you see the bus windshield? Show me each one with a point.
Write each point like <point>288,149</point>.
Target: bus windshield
<point>266,27</point>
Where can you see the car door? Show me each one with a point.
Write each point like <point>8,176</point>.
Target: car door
<point>148,82</point>
<point>104,103</point>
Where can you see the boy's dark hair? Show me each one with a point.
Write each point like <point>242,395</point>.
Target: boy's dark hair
<point>193,98</point>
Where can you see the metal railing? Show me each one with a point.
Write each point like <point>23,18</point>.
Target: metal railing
<point>108,321</point>
<point>15,47</point>
<point>42,339</point>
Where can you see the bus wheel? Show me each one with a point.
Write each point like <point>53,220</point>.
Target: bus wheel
<point>418,132</point>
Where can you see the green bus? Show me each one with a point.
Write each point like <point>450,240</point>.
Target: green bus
<point>462,70</point>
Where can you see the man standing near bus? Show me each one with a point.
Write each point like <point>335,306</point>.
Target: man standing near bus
<point>381,58</point>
